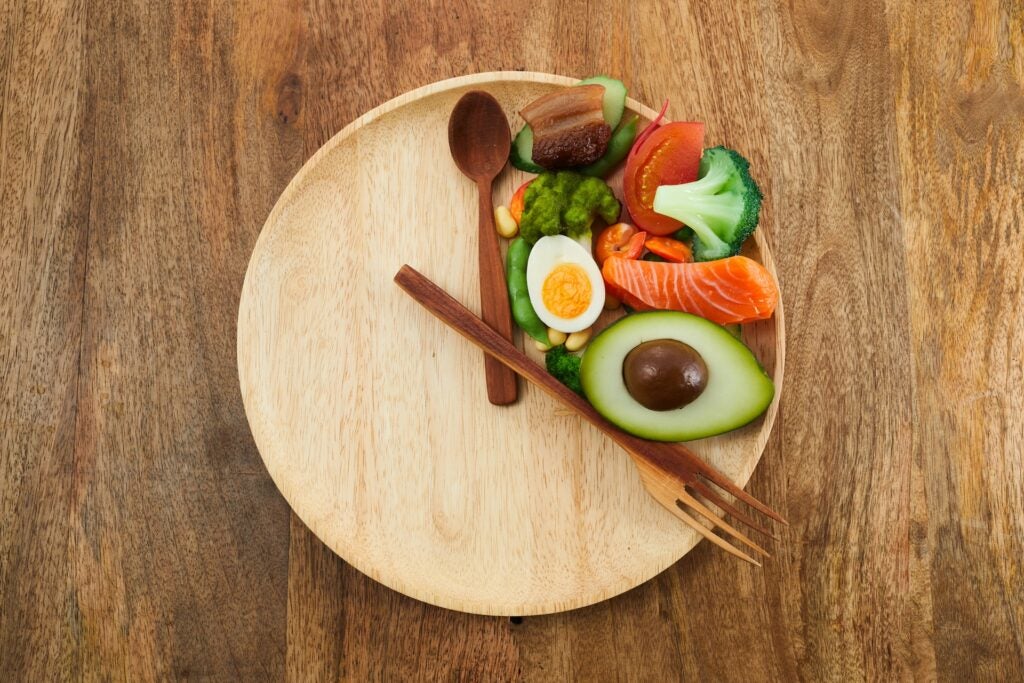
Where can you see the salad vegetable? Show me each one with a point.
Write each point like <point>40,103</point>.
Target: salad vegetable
<point>721,207</point>
<point>618,149</point>
<point>521,154</point>
<point>519,295</point>
<point>670,155</point>
<point>614,99</point>
<point>621,239</point>
<point>667,371</point>
<point>649,128</point>
<point>669,249</point>
<point>515,205</point>
<point>673,377</point>
<point>565,367</point>
<point>565,202</point>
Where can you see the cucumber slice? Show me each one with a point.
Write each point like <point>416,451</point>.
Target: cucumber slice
<point>614,97</point>
<point>618,148</point>
<point>521,154</point>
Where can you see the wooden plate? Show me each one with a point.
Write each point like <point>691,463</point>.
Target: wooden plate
<point>372,417</point>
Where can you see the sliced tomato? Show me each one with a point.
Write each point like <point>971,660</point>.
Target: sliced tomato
<point>518,201</point>
<point>669,249</point>
<point>669,156</point>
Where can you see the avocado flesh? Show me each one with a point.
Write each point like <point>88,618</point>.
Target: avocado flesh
<point>738,390</point>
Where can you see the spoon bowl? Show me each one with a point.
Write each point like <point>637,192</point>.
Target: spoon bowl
<point>479,136</point>
<point>479,140</point>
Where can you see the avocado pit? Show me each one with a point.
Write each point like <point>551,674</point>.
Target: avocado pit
<point>664,374</point>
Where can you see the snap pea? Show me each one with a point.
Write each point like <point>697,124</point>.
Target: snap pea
<point>518,295</point>
<point>618,147</point>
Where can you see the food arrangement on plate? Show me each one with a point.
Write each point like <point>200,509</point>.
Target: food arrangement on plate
<point>421,484</point>
<point>664,253</point>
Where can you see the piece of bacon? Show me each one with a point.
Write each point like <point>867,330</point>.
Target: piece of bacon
<point>568,127</point>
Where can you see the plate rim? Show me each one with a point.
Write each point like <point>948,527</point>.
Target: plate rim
<point>255,422</point>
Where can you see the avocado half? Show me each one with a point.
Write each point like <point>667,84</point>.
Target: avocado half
<point>738,389</point>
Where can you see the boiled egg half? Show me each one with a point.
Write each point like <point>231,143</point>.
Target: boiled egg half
<point>565,284</point>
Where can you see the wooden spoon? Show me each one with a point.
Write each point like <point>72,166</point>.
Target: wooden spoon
<point>479,139</point>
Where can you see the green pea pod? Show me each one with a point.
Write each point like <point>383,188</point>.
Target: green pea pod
<point>618,148</point>
<point>518,295</point>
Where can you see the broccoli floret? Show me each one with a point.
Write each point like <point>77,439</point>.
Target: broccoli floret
<point>683,234</point>
<point>565,202</point>
<point>721,206</point>
<point>565,367</point>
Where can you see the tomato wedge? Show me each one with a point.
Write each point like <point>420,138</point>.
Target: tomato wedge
<point>669,156</point>
<point>669,249</point>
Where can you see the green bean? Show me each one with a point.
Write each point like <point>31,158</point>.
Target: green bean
<point>518,295</point>
<point>618,147</point>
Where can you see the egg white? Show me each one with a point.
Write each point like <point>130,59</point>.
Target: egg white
<point>548,253</point>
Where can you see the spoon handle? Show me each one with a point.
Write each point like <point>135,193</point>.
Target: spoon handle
<point>494,307</point>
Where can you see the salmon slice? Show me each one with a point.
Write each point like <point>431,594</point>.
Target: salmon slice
<point>731,290</point>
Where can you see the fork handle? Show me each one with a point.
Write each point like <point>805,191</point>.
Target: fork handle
<point>662,455</point>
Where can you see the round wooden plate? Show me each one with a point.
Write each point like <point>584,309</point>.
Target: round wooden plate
<point>372,417</point>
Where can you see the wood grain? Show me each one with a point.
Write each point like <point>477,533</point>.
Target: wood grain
<point>888,137</point>
<point>372,464</point>
<point>44,204</point>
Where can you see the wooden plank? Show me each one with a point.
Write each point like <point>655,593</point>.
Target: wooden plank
<point>960,123</point>
<point>847,429</point>
<point>179,540</point>
<point>142,148</point>
<point>44,200</point>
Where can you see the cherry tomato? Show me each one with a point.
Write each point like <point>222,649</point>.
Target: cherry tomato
<point>622,240</point>
<point>518,201</point>
<point>669,156</point>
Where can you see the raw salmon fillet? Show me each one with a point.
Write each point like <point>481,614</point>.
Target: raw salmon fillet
<point>731,290</point>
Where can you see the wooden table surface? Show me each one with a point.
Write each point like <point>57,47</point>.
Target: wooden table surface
<point>143,146</point>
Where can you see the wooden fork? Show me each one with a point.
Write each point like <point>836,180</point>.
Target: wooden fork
<point>669,471</point>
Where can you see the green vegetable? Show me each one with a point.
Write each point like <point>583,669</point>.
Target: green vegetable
<point>614,102</point>
<point>565,202</point>
<point>518,296</point>
<point>565,367</point>
<point>737,390</point>
<point>521,155</point>
<point>618,148</point>
<point>721,206</point>
<point>683,234</point>
<point>651,256</point>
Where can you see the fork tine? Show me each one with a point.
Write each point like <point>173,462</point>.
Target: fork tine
<point>708,533</point>
<point>715,499</point>
<point>664,488</point>
<point>717,521</point>
<point>716,477</point>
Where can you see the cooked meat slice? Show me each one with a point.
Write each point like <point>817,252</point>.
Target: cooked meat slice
<point>568,127</point>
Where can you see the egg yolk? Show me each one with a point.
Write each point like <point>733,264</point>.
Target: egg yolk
<point>566,291</point>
